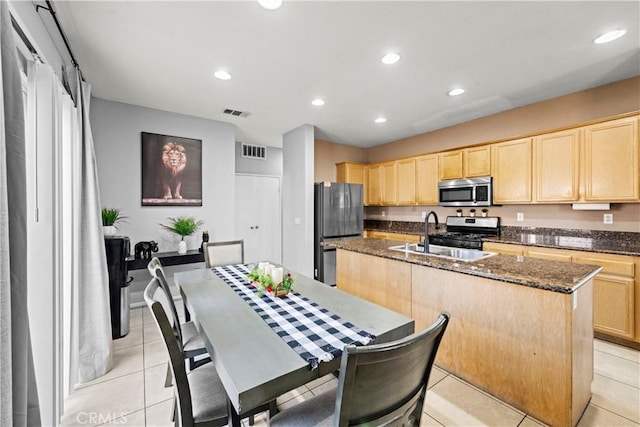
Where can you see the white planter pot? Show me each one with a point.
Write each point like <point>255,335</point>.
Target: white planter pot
<point>182,247</point>
<point>109,230</point>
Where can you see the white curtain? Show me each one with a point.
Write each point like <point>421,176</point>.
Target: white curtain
<point>18,392</point>
<point>67,263</point>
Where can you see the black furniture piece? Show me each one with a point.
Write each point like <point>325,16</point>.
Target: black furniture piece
<point>201,399</point>
<point>167,259</point>
<point>380,384</point>
<point>117,250</point>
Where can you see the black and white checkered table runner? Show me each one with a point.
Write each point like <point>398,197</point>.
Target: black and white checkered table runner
<point>312,331</point>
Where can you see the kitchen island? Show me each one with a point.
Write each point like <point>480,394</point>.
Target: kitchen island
<point>521,328</point>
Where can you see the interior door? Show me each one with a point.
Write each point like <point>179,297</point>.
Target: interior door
<point>258,217</point>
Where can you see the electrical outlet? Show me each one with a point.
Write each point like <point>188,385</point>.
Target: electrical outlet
<point>384,213</point>
<point>608,218</point>
<point>424,214</point>
<point>519,217</point>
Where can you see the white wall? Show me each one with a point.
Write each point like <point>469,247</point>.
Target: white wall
<point>116,131</point>
<point>297,199</point>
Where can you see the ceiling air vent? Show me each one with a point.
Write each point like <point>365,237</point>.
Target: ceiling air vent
<point>254,151</point>
<point>235,113</point>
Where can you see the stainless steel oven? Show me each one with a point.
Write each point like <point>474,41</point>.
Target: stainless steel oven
<point>466,192</point>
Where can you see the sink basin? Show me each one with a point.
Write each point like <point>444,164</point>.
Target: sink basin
<point>458,254</point>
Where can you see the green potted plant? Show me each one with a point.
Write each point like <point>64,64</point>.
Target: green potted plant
<point>111,217</point>
<point>182,226</point>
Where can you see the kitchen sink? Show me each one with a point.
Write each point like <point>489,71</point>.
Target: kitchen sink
<point>458,254</point>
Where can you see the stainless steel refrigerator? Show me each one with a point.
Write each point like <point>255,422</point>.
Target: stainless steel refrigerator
<point>339,214</point>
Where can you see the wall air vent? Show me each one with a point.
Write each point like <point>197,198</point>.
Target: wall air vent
<point>254,151</point>
<point>235,113</point>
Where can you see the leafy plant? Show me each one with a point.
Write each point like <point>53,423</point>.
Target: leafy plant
<point>182,225</point>
<point>111,216</point>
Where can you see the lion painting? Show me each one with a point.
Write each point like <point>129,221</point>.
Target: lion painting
<point>174,159</point>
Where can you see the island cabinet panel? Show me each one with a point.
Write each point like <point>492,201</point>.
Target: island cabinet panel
<point>529,347</point>
<point>382,281</point>
<point>511,166</point>
<point>611,161</point>
<point>556,157</point>
<point>427,179</point>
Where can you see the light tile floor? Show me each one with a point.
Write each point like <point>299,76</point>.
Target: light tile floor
<point>133,394</point>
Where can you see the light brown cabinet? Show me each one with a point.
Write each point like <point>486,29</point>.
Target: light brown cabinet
<point>353,173</point>
<point>476,161</point>
<point>556,171</point>
<point>406,181</point>
<point>407,238</point>
<point>611,157</point>
<point>466,163</point>
<point>427,179</point>
<point>511,168</point>
<point>389,183</point>
<point>374,185</point>
<point>616,300</point>
<point>450,165</point>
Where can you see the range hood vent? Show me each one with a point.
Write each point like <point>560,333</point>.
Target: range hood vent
<point>591,206</point>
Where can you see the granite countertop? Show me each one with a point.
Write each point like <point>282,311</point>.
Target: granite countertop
<point>609,242</point>
<point>556,276</point>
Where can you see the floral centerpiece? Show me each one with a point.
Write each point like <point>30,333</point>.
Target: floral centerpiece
<point>270,280</point>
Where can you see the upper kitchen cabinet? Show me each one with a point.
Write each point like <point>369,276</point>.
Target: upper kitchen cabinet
<point>427,179</point>
<point>466,163</point>
<point>353,173</point>
<point>556,164</point>
<point>611,161</point>
<point>406,181</point>
<point>476,161</point>
<point>450,165</point>
<point>374,185</point>
<point>389,194</point>
<point>511,167</point>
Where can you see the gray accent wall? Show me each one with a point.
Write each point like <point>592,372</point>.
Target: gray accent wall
<point>297,199</point>
<point>117,131</point>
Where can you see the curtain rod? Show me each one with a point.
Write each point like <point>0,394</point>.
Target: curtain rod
<point>49,7</point>
<point>23,36</point>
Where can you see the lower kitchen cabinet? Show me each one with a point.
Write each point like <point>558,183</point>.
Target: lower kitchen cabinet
<point>616,299</point>
<point>408,238</point>
<point>358,272</point>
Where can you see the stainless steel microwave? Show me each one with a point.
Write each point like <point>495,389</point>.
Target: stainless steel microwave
<point>466,192</point>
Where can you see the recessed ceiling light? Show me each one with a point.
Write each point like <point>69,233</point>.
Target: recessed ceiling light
<point>222,75</point>
<point>390,58</point>
<point>318,102</point>
<point>270,4</point>
<point>380,120</point>
<point>610,36</point>
<point>456,92</point>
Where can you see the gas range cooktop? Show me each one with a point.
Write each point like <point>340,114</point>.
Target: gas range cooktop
<point>466,232</point>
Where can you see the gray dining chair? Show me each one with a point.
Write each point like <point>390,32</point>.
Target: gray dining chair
<point>380,384</point>
<point>187,333</point>
<point>200,398</point>
<point>223,253</point>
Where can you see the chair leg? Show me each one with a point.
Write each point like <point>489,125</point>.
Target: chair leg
<point>251,420</point>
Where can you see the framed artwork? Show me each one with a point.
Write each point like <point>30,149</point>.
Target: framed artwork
<point>171,170</point>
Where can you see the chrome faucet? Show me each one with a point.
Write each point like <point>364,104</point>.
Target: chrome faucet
<point>426,229</point>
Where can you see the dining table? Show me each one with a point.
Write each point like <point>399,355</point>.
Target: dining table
<point>254,363</point>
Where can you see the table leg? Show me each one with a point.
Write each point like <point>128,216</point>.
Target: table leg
<point>234,418</point>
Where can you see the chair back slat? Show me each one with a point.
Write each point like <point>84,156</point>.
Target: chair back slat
<point>174,348</point>
<point>223,253</point>
<point>156,270</point>
<point>385,384</point>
